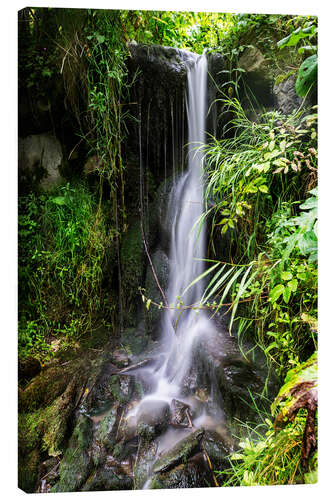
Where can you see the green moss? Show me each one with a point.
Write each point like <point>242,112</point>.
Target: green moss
<point>76,465</point>
<point>135,340</point>
<point>116,391</point>
<point>43,389</point>
<point>28,471</point>
<point>105,433</point>
<point>132,257</point>
<point>107,480</point>
<point>283,77</point>
<point>156,484</point>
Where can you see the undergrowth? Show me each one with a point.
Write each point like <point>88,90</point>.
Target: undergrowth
<point>261,192</point>
<point>269,458</point>
<point>65,250</point>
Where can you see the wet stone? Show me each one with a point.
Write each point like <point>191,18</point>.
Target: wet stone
<point>154,413</point>
<point>217,449</point>
<point>181,452</point>
<point>127,423</point>
<point>120,358</point>
<point>48,474</point>
<point>107,429</point>
<point>179,411</point>
<point>145,459</point>
<point>188,475</point>
<point>108,479</point>
<point>77,463</point>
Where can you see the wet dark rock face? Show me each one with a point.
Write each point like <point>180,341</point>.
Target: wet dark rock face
<point>158,99</point>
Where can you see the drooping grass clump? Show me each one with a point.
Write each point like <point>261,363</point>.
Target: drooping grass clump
<point>65,250</point>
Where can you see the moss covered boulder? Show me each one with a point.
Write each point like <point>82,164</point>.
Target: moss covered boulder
<point>77,463</point>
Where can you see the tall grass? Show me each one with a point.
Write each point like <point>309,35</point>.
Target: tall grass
<point>257,179</point>
<point>65,250</point>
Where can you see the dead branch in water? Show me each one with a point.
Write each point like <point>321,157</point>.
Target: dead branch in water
<point>204,451</point>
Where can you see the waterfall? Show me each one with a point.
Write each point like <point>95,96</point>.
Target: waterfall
<point>182,327</point>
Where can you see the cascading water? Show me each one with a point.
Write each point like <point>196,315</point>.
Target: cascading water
<point>180,328</point>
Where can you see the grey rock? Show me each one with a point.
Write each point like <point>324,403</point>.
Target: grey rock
<point>181,452</point>
<point>153,418</point>
<point>178,413</point>
<point>41,159</point>
<point>252,59</point>
<point>285,96</point>
<point>167,64</point>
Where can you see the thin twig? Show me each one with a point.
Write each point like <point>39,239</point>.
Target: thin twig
<point>53,469</point>
<point>151,263</point>
<point>209,464</point>
<point>197,305</point>
<point>203,450</point>
<point>189,418</point>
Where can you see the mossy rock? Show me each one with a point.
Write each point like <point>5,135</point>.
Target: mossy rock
<point>44,389</point>
<point>45,414</point>
<point>44,430</point>
<point>135,339</point>
<point>106,433</point>
<point>77,463</point>
<point>108,480</point>
<point>181,452</point>
<point>28,368</point>
<point>28,471</point>
<point>29,439</point>
<point>132,262</point>
<point>121,388</point>
<point>183,476</point>
<point>145,459</point>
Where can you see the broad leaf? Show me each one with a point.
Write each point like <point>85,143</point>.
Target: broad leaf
<point>307,75</point>
<point>275,293</point>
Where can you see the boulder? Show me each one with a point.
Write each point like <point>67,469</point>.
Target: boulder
<point>40,161</point>
<point>286,98</point>
<point>153,418</point>
<point>252,59</point>
<point>181,452</point>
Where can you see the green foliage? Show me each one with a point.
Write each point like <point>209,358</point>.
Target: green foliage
<point>269,458</point>
<point>242,170</point>
<point>64,246</point>
<point>306,372</point>
<point>272,453</point>
<point>37,61</point>
<point>307,75</point>
<point>256,179</point>
<point>308,32</point>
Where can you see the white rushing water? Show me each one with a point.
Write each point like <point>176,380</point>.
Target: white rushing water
<point>181,328</point>
<point>180,331</point>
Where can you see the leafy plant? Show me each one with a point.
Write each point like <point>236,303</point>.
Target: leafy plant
<point>64,246</point>
<point>307,73</point>
<point>282,449</point>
